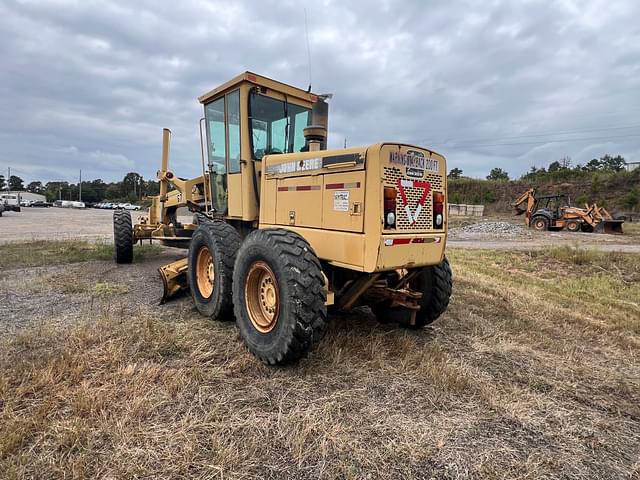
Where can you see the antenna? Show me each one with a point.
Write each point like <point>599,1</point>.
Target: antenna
<point>306,32</point>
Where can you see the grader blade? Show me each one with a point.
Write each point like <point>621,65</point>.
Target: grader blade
<point>174,278</point>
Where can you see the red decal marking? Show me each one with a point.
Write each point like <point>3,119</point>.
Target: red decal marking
<point>333,186</point>
<point>426,188</point>
<point>303,188</point>
<point>401,241</point>
<point>283,189</point>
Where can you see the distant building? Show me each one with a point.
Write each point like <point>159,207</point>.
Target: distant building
<point>632,165</point>
<point>24,196</point>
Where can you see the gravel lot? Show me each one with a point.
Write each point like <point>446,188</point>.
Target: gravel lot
<point>494,234</point>
<point>60,224</point>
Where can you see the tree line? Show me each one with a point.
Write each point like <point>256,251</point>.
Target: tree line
<point>601,178</point>
<point>132,188</point>
<point>557,170</point>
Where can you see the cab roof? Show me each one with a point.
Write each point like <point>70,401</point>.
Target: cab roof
<point>261,81</point>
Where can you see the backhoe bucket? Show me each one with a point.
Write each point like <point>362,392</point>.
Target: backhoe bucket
<point>610,226</point>
<point>174,278</point>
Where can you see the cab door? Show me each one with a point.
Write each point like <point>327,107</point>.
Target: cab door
<point>223,146</point>
<point>233,154</point>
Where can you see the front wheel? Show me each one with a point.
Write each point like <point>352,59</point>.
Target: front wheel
<point>212,254</point>
<point>573,226</point>
<point>435,283</point>
<point>278,295</point>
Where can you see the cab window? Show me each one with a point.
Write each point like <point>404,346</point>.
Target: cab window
<point>276,126</point>
<point>217,148</point>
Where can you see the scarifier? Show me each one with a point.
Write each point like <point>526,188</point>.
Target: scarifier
<point>284,229</point>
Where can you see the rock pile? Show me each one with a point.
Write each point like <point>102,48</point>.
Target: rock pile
<point>490,229</point>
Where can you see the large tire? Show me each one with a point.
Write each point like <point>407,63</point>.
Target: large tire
<point>435,283</point>
<point>123,236</point>
<point>540,224</point>
<point>586,228</point>
<point>212,254</point>
<point>573,225</point>
<point>278,295</point>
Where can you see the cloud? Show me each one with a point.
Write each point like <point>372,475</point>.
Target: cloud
<point>476,81</point>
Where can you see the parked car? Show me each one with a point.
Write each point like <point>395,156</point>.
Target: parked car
<point>39,203</point>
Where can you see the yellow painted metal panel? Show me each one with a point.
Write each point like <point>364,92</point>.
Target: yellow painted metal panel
<point>268,201</point>
<point>234,185</point>
<point>392,255</point>
<point>343,201</point>
<point>341,248</point>
<point>299,201</point>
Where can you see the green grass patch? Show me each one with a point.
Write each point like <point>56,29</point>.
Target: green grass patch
<point>55,252</point>
<point>591,283</point>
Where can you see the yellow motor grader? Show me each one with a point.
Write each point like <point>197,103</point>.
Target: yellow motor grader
<point>284,229</point>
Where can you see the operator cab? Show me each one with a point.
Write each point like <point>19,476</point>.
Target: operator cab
<point>554,204</point>
<point>245,119</point>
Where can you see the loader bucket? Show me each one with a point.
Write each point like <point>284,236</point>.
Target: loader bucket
<point>174,278</point>
<point>610,226</point>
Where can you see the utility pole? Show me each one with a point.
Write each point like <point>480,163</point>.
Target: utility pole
<point>8,178</point>
<point>59,192</point>
<point>80,194</point>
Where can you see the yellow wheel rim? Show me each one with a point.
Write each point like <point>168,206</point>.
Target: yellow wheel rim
<point>205,275</point>
<point>262,297</point>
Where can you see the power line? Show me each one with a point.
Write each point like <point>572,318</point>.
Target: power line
<point>565,132</point>
<point>567,140</point>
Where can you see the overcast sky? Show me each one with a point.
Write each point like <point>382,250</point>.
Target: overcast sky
<point>90,85</point>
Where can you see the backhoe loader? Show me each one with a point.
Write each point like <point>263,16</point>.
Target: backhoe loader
<point>554,212</point>
<point>284,229</point>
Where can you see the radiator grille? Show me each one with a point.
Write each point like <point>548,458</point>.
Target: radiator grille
<point>425,220</point>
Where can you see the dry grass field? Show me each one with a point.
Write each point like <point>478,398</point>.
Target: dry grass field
<point>534,372</point>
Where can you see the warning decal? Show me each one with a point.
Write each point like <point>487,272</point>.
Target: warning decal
<point>341,201</point>
<point>426,188</point>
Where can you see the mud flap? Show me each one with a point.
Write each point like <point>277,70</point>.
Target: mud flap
<point>174,278</point>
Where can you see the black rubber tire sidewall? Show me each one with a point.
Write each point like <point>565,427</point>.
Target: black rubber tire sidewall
<point>297,327</point>
<point>543,219</point>
<point>435,283</point>
<point>570,224</point>
<point>122,236</point>
<point>223,242</point>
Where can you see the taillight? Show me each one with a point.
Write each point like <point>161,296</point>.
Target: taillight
<point>390,207</point>
<point>438,209</point>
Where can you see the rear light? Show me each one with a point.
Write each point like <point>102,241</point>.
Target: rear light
<point>438,209</point>
<point>390,207</point>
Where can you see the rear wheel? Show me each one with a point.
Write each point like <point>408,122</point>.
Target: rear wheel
<point>540,224</point>
<point>278,295</point>
<point>573,226</point>
<point>123,236</point>
<point>435,283</point>
<point>212,254</point>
